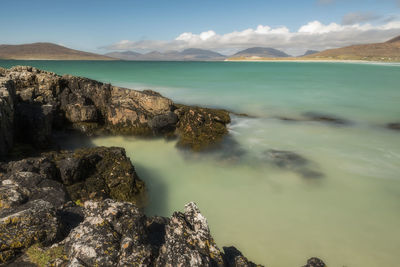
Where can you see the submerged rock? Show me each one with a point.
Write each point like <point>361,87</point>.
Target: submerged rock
<point>291,161</point>
<point>325,118</point>
<point>393,126</point>
<point>285,159</point>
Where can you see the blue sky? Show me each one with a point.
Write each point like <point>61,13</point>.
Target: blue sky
<point>93,25</point>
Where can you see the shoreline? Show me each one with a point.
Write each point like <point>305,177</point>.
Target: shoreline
<point>313,61</point>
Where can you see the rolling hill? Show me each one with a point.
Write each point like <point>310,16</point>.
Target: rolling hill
<point>262,52</point>
<point>43,51</point>
<point>387,51</point>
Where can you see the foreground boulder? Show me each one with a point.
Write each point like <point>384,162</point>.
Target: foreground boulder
<point>35,103</point>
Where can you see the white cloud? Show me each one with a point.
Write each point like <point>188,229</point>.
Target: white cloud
<point>314,35</point>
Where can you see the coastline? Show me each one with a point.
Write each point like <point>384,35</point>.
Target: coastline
<point>313,61</point>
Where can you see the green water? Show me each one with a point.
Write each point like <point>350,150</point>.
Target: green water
<point>349,216</point>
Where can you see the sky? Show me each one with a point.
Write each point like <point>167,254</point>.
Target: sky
<point>225,26</point>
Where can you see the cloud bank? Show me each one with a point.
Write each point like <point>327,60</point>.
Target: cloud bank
<point>313,35</point>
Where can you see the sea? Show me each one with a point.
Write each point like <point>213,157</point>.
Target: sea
<point>311,170</point>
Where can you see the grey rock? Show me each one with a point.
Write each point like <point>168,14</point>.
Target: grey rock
<point>315,262</point>
<point>188,241</point>
<point>35,222</point>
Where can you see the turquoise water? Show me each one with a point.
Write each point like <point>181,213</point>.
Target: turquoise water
<point>349,216</point>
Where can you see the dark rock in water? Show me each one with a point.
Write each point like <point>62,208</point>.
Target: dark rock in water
<point>235,258</point>
<point>291,161</point>
<point>200,128</point>
<point>324,118</point>
<point>315,262</point>
<point>393,126</point>
<point>285,159</point>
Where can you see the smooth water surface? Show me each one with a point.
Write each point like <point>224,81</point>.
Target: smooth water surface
<point>348,214</point>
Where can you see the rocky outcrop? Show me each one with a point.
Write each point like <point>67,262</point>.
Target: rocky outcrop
<point>35,103</point>
<point>38,218</point>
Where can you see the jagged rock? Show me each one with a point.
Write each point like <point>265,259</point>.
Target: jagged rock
<point>35,222</point>
<point>112,233</point>
<point>234,258</point>
<point>315,262</point>
<point>188,241</point>
<point>200,128</point>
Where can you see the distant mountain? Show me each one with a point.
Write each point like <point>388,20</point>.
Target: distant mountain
<point>310,52</point>
<point>387,51</point>
<point>190,54</point>
<point>260,52</point>
<point>41,51</point>
<point>127,55</point>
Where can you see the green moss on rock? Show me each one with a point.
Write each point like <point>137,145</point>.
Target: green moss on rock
<point>45,256</point>
<point>201,128</point>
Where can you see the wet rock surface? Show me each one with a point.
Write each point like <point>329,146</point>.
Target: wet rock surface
<point>200,128</point>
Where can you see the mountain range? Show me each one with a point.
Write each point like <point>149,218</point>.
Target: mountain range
<point>190,54</point>
<point>387,51</point>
